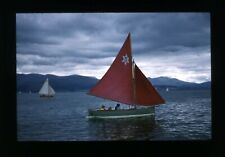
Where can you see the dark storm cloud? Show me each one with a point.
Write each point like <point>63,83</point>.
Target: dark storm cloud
<point>79,41</point>
<point>45,28</point>
<point>168,32</point>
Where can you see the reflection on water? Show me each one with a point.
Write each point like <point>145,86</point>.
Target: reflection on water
<point>122,129</point>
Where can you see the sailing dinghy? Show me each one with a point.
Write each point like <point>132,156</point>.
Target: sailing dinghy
<point>46,90</point>
<point>125,83</point>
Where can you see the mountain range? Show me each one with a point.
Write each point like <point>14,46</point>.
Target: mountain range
<point>33,83</point>
<point>175,83</point>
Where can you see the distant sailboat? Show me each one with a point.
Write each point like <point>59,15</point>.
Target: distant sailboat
<point>124,82</point>
<point>46,90</point>
<point>167,89</point>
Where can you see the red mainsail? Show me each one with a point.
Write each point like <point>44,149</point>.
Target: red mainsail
<point>124,82</point>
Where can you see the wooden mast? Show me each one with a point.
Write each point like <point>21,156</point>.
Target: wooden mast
<point>133,75</point>
<point>134,83</point>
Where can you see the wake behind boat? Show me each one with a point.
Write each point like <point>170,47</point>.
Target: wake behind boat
<point>125,83</point>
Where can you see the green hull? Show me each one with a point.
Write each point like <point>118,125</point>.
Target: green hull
<point>46,96</point>
<point>128,113</point>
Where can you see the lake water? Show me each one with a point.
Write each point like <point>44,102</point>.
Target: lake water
<point>185,116</point>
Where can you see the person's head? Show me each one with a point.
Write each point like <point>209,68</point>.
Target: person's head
<point>118,105</point>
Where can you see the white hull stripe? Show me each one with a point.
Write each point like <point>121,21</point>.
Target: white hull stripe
<point>125,116</point>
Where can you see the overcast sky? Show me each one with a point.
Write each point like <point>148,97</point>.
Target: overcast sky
<point>175,45</point>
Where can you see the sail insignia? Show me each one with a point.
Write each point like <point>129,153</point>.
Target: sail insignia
<point>125,59</point>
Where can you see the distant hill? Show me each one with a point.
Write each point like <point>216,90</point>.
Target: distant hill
<point>33,83</point>
<point>165,82</point>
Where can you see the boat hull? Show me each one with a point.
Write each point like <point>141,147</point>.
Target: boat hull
<point>46,96</point>
<point>123,113</point>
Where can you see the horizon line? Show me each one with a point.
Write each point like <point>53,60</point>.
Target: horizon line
<point>100,78</point>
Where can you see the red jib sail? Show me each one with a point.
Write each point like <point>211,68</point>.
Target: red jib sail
<point>124,82</point>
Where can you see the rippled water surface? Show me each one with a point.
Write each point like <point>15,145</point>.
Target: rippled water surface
<point>185,116</point>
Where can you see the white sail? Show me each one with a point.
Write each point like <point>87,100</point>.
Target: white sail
<point>167,89</point>
<point>51,90</point>
<point>46,89</point>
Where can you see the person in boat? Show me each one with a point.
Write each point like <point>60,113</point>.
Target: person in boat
<point>117,107</point>
<point>110,108</point>
<point>102,107</point>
